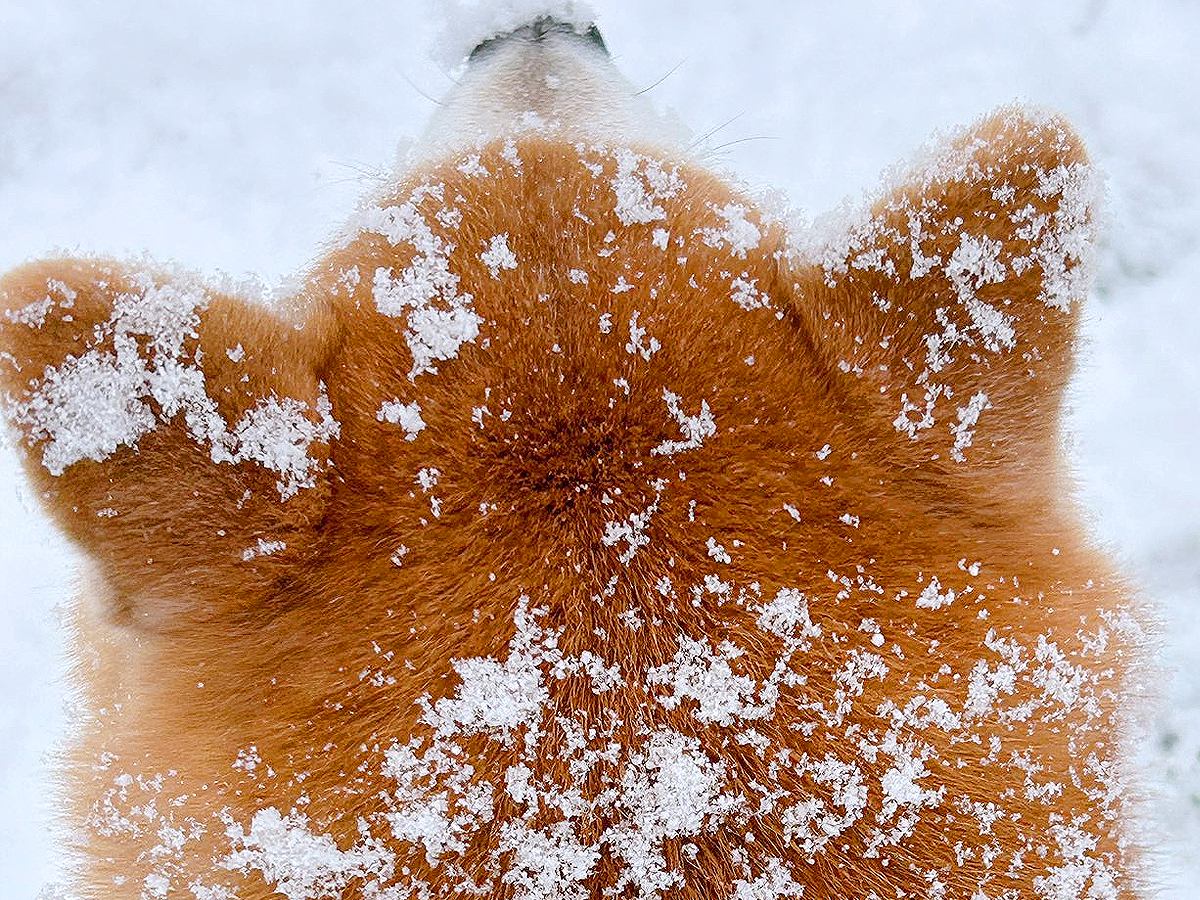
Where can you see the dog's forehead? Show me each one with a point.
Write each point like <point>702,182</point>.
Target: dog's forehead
<point>561,286</point>
<point>536,260</point>
<point>575,209</point>
<point>539,237</point>
<point>550,339</point>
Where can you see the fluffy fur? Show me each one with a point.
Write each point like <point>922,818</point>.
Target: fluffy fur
<point>709,562</point>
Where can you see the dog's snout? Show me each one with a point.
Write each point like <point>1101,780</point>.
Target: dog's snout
<point>552,73</point>
<point>538,31</point>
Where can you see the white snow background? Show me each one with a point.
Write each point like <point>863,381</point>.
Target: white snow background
<point>238,136</point>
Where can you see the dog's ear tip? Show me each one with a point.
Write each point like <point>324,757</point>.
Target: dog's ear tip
<point>42,297</point>
<point>1038,139</point>
<point>33,273</point>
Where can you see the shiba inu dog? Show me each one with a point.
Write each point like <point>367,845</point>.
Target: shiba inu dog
<point>579,530</point>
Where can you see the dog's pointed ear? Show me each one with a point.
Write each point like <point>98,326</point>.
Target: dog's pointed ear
<point>952,301</point>
<point>180,435</point>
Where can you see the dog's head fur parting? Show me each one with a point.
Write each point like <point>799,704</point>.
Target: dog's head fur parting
<point>578,531</point>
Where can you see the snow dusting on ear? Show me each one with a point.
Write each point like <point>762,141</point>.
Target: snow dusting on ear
<point>468,23</point>
<point>92,404</point>
<point>965,230</point>
<point>102,399</point>
<point>34,314</point>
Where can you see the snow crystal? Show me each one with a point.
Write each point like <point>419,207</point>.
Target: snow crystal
<point>496,696</point>
<point>968,417</point>
<point>695,428</point>
<point>34,314</point>
<point>775,883</point>
<point>631,531</point>
<point>510,154</point>
<point>550,864</point>
<point>1065,242</point>
<point>739,234</point>
<point>994,328</point>
<point>498,255</point>
<point>900,784</point>
<point>277,434</point>
<point>635,345</point>
<point>697,673</point>
<point>639,185</point>
<point>263,548</point>
<point>985,685</point>
<point>493,695</point>
<point>472,167</point>
<point>428,478</point>
<point>1081,873</point>
<point>434,333</point>
<point>812,823</point>
<point>975,263</point>
<point>717,552</point>
<point>669,789</point>
<point>86,408</point>
<point>622,286</point>
<point>745,293</point>
<point>787,617</point>
<point>406,415</point>
<point>426,815</point>
<point>932,597</point>
<point>297,863</point>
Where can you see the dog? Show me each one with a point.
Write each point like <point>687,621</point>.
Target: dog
<point>580,530</point>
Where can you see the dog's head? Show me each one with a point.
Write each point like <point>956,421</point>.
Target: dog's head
<point>577,530</point>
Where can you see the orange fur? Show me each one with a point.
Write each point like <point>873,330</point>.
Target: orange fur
<point>550,430</point>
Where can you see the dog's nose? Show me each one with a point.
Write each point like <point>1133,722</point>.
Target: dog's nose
<point>539,30</point>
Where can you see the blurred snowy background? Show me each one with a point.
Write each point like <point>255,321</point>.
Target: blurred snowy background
<point>236,136</point>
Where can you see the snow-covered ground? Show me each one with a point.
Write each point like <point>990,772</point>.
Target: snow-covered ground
<point>236,136</point>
